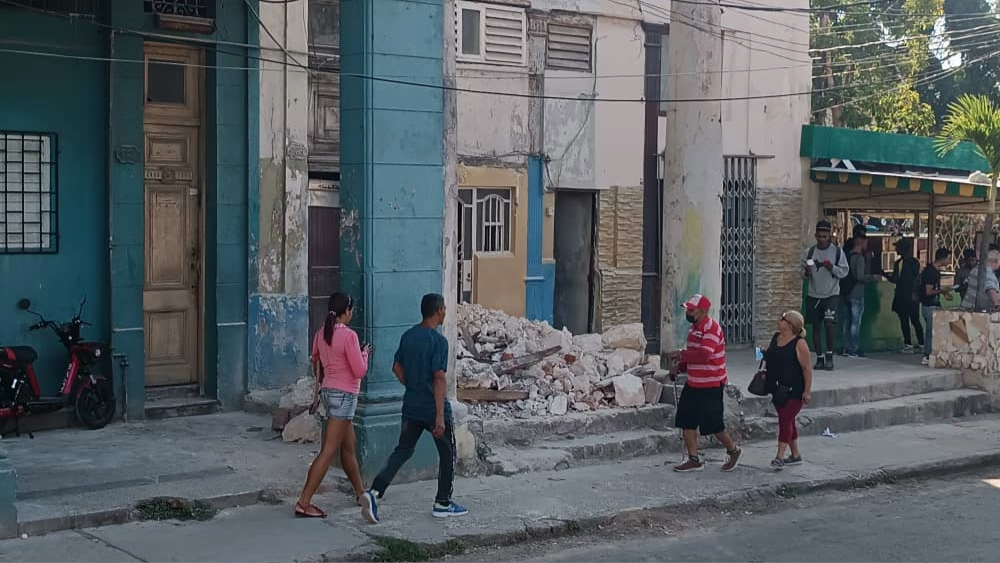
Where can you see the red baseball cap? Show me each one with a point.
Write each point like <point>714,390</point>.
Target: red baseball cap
<point>698,301</point>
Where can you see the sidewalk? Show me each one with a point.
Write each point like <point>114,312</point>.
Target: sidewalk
<point>504,509</point>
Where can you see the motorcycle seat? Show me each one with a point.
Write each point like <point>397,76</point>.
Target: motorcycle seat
<point>19,354</point>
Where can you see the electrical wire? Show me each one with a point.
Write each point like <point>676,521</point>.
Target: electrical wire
<point>454,88</point>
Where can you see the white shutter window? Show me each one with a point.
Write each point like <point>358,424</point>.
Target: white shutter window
<point>569,47</point>
<point>506,29</point>
<point>490,34</point>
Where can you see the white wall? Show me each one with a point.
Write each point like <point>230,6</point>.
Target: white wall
<point>491,125</point>
<point>620,65</point>
<point>765,54</point>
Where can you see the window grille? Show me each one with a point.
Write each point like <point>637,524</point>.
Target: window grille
<point>190,8</point>
<point>486,220</point>
<point>27,193</point>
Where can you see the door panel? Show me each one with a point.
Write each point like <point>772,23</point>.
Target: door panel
<point>172,253</point>
<point>324,262</point>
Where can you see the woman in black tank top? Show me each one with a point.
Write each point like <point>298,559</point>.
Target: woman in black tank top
<point>789,378</point>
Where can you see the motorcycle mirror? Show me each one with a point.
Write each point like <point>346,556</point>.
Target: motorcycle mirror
<point>82,303</point>
<point>24,304</point>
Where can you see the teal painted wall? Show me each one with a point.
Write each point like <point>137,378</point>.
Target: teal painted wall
<point>392,196</point>
<point>101,189</point>
<point>69,98</point>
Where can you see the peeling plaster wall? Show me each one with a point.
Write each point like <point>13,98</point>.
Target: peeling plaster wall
<point>279,302</point>
<point>771,128</point>
<point>450,269</point>
<point>692,169</point>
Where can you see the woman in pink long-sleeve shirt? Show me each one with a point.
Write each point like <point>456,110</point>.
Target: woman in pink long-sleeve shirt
<point>340,363</point>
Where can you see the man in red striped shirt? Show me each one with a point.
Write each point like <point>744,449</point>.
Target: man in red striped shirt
<point>700,407</point>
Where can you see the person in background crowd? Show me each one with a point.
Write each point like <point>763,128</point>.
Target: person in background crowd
<point>965,266</point>
<point>905,300</point>
<point>823,266</point>
<point>852,291</point>
<point>420,364</point>
<point>700,407</point>
<point>930,295</point>
<point>340,363</point>
<point>991,287</point>
<point>789,378</point>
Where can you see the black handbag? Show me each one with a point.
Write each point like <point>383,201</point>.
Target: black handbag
<point>758,385</point>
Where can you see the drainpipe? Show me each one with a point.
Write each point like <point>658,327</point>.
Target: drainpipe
<point>111,215</point>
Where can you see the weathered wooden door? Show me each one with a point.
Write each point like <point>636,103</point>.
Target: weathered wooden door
<point>173,193</point>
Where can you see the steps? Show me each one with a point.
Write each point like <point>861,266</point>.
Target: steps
<point>177,400</point>
<point>868,395</point>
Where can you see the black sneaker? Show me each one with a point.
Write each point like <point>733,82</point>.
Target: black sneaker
<point>791,460</point>
<point>820,363</point>
<point>777,464</point>
<point>829,362</point>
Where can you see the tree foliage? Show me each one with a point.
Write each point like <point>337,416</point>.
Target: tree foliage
<point>868,60</point>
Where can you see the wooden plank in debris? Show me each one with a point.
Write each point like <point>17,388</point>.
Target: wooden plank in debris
<point>521,362</point>
<point>491,395</point>
<point>470,343</point>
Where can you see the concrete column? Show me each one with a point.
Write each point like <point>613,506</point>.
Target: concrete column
<point>8,494</point>
<point>450,239</point>
<point>692,208</point>
<point>392,196</point>
<point>279,277</point>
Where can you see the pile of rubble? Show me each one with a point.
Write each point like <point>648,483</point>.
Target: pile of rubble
<point>513,367</point>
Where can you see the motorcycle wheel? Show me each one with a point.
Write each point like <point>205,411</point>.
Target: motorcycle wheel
<point>95,407</point>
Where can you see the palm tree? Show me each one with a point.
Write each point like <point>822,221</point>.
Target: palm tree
<point>976,119</point>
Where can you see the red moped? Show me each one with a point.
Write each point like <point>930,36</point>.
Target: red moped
<point>84,388</point>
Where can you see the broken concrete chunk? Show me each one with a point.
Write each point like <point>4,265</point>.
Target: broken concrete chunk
<point>653,390</point>
<point>629,358</point>
<point>476,375</point>
<point>559,404</point>
<point>300,395</point>
<point>629,336</point>
<point>592,343</point>
<point>628,391</point>
<point>302,428</point>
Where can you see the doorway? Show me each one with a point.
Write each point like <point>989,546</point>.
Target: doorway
<point>573,250</point>
<point>172,257</point>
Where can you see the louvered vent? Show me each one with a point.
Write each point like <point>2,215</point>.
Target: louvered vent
<point>568,47</point>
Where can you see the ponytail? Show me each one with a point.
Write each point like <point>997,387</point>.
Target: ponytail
<point>339,304</point>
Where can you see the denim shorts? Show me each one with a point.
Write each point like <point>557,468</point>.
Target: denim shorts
<point>340,405</point>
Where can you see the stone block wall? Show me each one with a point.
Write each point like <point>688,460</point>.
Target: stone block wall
<point>778,286</point>
<point>619,252</point>
<point>8,488</point>
<point>970,342</point>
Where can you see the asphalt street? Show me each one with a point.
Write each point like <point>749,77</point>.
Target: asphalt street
<point>936,520</point>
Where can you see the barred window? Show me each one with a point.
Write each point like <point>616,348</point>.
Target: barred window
<point>190,8</point>
<point>27,193</point>
<point>486,219</point>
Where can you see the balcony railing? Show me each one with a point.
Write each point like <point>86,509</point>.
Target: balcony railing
<point>189,8</point>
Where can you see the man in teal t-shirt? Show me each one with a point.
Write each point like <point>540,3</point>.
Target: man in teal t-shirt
<point>421,364</point>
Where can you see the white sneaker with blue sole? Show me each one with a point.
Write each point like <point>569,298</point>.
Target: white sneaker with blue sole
<point>446,510</point>
<point>369,507</point>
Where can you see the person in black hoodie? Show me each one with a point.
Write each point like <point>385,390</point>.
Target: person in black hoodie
<point>905,302</point>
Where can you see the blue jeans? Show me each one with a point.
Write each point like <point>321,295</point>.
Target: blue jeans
<point>854,309</point>
<point>928,313</point>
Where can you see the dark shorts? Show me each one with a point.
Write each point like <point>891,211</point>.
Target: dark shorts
<point>700,409</point>
<point>822,310</point>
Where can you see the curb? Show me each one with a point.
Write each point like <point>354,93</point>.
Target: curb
<point>128,514</point>
<point>563,528</point>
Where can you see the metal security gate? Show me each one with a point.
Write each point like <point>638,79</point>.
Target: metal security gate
<point>739,248</point>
